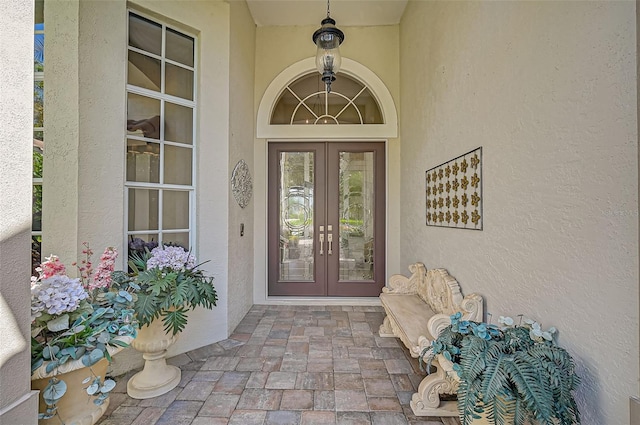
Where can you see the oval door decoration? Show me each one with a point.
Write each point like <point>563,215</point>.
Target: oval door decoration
<point>241,185</point>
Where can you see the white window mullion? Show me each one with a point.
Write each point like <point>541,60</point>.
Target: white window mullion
<point>157,95</point>
<point>160,226</point>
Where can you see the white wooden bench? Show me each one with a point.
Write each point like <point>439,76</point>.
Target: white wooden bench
<point>418,308</point>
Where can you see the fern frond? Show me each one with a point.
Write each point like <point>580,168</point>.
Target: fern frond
<point>525,378</point>
<point>495,378</point>
<point>468,398</point>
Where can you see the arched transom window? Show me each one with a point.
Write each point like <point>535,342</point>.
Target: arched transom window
<point>306,101</point>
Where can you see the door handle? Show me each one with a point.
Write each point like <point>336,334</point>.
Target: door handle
<point>330,239</point>
<point>321,240</point>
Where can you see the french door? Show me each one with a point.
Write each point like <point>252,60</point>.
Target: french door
<point>326,219</point>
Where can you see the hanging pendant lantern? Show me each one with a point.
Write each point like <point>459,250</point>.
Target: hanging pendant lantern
<point>328,39</point>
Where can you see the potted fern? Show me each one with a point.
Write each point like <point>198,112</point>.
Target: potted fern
<point>168,283</point>
<point>508,374</point>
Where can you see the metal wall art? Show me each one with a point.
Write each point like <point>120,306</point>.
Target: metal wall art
<point>241,185</point>
<point>454,192</point>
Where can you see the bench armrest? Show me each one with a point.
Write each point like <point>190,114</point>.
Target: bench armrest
<point>470,307</point>
<point>399,284</point>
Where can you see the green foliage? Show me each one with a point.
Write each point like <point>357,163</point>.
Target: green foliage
<point>513,374</point>
<point>89,331</point>
<point>167,293</point>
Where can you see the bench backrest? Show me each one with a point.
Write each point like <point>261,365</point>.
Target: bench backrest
<point>440,291</point>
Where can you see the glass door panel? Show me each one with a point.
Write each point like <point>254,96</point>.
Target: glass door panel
<point>296,215</point>
<point>356,211</point>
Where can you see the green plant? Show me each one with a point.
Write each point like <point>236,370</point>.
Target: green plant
<point>77,319</point>
<point>168,284</point>
<point>512,371</point>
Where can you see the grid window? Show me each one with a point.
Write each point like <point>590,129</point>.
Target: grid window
<point>160,135</point>
<point>38,136</point>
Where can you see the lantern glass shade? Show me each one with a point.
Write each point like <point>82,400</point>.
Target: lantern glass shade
<point>328,60</point>
<point>328,54</point>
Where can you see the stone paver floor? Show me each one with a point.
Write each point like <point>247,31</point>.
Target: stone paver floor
<point>287,365</point>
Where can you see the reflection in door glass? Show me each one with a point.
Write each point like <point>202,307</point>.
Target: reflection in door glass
<point>357,201</point>
<point>296,216</point>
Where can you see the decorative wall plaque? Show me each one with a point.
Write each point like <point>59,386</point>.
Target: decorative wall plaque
<point>454,192</point>
<point>241,185</point>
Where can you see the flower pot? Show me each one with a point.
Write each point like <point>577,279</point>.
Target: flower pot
<point>157,377</point>
<point>76,407</point>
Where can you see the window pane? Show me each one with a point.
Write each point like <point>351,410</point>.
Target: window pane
<point>179,47</point>
<point>348,116</point>
<point>145,34</point>
<point>368,107</point>
<point>36,216</point>
<point>303,116</point>
<point>179,239</point>
<point>284,108</point>
<point>308,84</point>
<point>178,123</point>
<point>39,13</point>
<point>175,209</point>
<point>143,161</point>
<point>177,165</point>
<point>36,253</point>
<point>38,51</point>
<point>143,209</point>
<point>38,144</point>
<point>179,81</point>
<point>143,71</point>
<point>139,243</point>
<point>143,116</point>
<point>38,104</point>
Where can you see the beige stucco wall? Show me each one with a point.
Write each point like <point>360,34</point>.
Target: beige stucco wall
<point>279,47</point>
<point>549,90</point>
<point>241,131</point>
<point>85,122</point>
<point>18,405</point>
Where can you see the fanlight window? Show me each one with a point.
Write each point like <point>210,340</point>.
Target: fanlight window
<point>306,101</point>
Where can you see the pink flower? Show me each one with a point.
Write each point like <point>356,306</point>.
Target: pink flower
<point>102,276</point>
<point>51,267</point>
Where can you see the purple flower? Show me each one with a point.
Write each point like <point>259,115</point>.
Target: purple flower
<point>172,257</point>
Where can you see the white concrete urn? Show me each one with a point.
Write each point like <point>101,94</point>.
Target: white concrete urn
<point>157,377</point>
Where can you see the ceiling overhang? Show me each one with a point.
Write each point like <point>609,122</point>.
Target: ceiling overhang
<point>311,12</point>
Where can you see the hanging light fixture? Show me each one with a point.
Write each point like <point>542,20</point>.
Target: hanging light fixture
<point>328,39</point>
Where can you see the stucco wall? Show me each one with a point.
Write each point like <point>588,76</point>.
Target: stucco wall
<point>548,89</point>
<point>85,121</point>
<point>18,405</point>
<point>210,20</point>
<point>279,47</point>
<point>241,131</point>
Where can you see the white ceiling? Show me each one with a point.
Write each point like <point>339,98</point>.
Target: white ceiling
<point>311,12</point>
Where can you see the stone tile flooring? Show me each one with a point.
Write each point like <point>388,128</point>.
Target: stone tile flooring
<point>287,365</point>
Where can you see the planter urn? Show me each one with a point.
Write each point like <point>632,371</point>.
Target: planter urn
<point>157,377</point>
